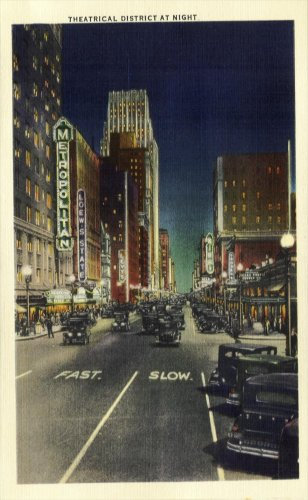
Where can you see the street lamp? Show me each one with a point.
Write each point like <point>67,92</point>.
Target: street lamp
<point>27,272</point>
<point>224,275</point>
<point>287,242</point>
<point>240,268</point>
<point>72,280</point>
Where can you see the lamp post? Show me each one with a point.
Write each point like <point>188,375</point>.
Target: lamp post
<point>27,272</point>
<point>72,280</point>
<point>287,242</point>
<point>239,270</point>
<point>224,277</point>
<point>214,287</point>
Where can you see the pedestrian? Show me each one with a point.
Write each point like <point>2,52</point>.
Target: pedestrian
<point>293,342</point>
<point>49,328</point>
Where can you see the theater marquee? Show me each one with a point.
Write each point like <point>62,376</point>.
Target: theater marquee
<point>62,135</point>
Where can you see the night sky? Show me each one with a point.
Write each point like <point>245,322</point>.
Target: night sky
<point>213,88</point>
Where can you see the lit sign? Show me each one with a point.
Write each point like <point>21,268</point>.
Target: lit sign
<point>231,266</point>
<point>209,252</point>
<point>82,234</point>
<point>122,273</point>
<point>62,135</point>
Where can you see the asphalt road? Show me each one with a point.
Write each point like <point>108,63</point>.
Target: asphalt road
<point>122,409</point>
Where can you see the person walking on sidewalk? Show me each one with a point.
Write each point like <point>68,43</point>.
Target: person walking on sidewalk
<point>49,328</point>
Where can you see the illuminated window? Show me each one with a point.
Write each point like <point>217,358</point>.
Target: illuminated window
<point>269,219</point>
<point>17,91</point>
<point>258,219</point>
<point>49,225</point>
<point>47,151</point>
<point>35,62</point>
<point>244,183</point>
<point>47,128</point>
<point>278,170</point>
<point>57,57</point>
<point>233,220</point>
<point>35,89</point>
<point>58,101</point>
<point>244,195</point>
<point>15,63</point>
<point>28,158</point>
<point>114,211</point>
<point>37,217</point>
<point>16,119</point>
<point>35,115</point>
<point>225,208</point>
<point>37,192</point>
<point>258,195</point>
<point>50,249</point>
<point>46,36</point>
<point>233,208</point>
<point>119,197</point>
<point>46,83</point>
<point>278,219</point>
<point>58,77</point>
<point>243,219</point>
<point>270,206</point>
<point>114,238</point>
<point>269,170</point>
<point>27,131</point>
<point>243,207</point>
<point>233,183</point>
<point>120,237</point>
<point>46,60</point>
<point>36,139</point>
<point>106,225</point>
<point>19,273</point>
<point>38,245</point>
<point>49,200</point>
<point>43,194</point>
<point>18,240</point>
<point>28,186</point>
<point>278,206</point>
<point>29,244</point>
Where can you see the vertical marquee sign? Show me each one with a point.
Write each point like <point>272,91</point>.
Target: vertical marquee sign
<point>62,135</point>
<point>209,253</point>
<point>82,237</point>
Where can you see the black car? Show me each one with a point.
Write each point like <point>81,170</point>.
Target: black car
<point>121,322</point>
<point>223,377</point>
<point>269,402</point>
<point>168,333</point>
<point>288,460</point>
<point>78,330</point>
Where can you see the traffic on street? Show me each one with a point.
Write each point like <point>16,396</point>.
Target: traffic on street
<point>139,402</point>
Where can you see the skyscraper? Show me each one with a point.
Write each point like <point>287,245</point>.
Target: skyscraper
<point>128,111</point>
<point>36,107</point>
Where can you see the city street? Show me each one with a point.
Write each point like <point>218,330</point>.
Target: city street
<point>122,409</point>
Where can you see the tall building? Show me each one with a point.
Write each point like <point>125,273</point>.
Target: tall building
<point>128,112</point>
<point>105,265</point>
<point>165,253</point>
<point>36,107</point>
<point>119,214</point>
<point>251,209</point>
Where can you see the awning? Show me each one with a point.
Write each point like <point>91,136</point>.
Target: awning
<point>20,309</point>
<point>276,287</point>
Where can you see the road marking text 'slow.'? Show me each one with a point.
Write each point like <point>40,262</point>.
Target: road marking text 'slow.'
<point>83,375</point>
<point>156,375</point>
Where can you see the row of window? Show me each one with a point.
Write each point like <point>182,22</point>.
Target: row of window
<point>270,219</point>
<point>29,158</point>
<point>35,92</point>
<point>233,182</point>
<point>29,132</point>
<point>39,193</point>
<point>244,206</point>
<point>38,274</point>
<point>39,217</point>
<point>30,246</point>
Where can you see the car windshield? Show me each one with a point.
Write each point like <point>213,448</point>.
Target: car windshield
<point>277,398</point>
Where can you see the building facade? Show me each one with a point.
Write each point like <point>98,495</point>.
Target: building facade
<point>251,210</point>
<point>129,112</point>
<point>165,251</point>
<point>36,108</point>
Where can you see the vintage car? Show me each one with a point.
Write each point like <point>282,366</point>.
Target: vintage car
<point>255,364</point>
<point>177,315</point>
<point>121,322</point>
<point>168,333</point>
<point>78,330</point>
<point>288,455</point>
<point>224,375</point>
<point>150,322</point>
<point>269,402</point>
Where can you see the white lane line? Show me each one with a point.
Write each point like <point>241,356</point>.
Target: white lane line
<point>86,446</point>
<point>23,374</point>
<point>220,471</point>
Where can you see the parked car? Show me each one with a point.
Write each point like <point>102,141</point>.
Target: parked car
<point>224,375</point>
<point>78,330</point>
<point>249,366</point>
<point>121,322</point>
<point>269,402</point>
<point>288,454</point>
<point>168,333</point>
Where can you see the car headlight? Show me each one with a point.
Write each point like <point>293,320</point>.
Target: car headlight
<point>223,379</point>
<point>78,334</point>
<point>115,324</point>
<point>70,334</point>
<point>122,324</point>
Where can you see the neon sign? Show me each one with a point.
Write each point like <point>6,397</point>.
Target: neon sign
<point>209,252</point>
<point>82,239</point>
<point>62,135</point>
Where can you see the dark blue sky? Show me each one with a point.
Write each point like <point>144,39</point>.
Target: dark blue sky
<point>213,88</point>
